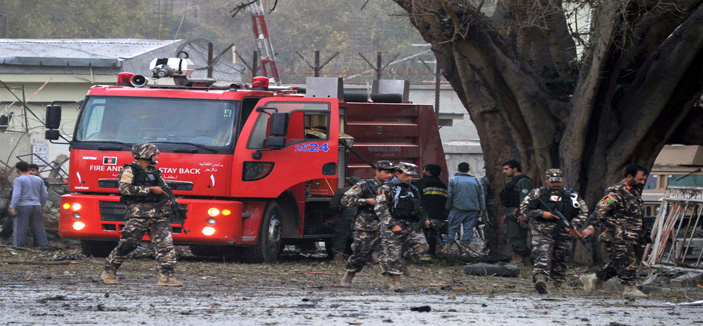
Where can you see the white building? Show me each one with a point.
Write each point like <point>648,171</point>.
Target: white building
<point>41,72</point>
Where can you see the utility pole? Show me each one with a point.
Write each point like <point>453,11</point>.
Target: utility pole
<point>209,60</point>
<point>437,75</point>
<point>4,25</point>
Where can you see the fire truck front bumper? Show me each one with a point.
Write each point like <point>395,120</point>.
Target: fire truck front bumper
<point>101,217</point>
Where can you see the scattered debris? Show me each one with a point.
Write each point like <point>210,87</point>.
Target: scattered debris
<point>692,303</point>
<point>52,298</point>
<point>29,262</point>
<point>483,269</point>
<point>421,309</point>
<point>68,257</point>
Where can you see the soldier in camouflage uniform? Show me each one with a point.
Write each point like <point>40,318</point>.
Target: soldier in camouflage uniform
<point>620,214</point>
<point>140,184</point>
<point>550,240</point>
<point>400,212</point>
<point>366,235</point>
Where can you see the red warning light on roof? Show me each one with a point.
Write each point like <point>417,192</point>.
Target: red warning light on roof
<point>123,78</point>
<point>260,82</point>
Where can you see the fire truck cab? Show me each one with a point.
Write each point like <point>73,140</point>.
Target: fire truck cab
<point>254,167</point>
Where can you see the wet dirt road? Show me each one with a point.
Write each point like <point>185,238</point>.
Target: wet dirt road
<point>303,291</point>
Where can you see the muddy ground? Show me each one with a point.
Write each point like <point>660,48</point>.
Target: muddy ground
<point>302,290</point>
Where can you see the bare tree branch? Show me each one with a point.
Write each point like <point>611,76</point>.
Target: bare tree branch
<point>238,8</point>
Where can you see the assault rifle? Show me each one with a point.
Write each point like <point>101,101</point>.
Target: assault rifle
<point>178,211</point>
<point>421,214</point>
<point>513,214</point>
<point>567,225</point>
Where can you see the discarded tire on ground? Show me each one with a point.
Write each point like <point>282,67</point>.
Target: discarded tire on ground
<point>483,269</point>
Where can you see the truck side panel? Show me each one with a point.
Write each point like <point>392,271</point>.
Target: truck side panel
<point>396,132</point>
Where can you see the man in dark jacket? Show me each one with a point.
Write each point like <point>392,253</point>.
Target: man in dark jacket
<point>511,197</point>
<point>433,194</point>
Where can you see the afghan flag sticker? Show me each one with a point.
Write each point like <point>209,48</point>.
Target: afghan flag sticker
<point>109,160</point>
<point>606,201</point>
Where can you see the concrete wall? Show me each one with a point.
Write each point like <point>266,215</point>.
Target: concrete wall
<point>13,144</point>
<point>470,152</point>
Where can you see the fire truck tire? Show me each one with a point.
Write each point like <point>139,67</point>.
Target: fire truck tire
<point>204,251</point>
<point>100,249</point>
<point>270,242</point>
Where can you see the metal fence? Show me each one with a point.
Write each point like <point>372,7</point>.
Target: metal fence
<point>677,233</point>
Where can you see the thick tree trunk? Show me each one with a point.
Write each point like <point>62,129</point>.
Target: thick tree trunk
<point>514,72</point>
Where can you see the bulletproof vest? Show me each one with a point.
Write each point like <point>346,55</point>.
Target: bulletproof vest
<point>560,201</point>
<point>510,195</point>
<point>142,178</point>
<point>406,202</point>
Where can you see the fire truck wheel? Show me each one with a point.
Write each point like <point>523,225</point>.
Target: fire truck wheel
<point>99,249</point>
<point>270,242</point>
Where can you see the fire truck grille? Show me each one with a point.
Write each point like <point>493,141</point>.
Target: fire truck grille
<point>111,211</point>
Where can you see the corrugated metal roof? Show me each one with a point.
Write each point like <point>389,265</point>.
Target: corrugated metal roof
<point>76,52</point>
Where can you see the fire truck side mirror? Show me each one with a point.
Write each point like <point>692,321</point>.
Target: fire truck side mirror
<point>278,131</point>
<point>53,117</point>
<point>279,124</point>
<point>51,134</point>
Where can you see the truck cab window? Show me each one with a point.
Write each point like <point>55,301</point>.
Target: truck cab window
<point>137,120</point>
<point>307,122</point>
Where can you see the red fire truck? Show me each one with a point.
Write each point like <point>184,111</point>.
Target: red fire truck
<point>254,167</point>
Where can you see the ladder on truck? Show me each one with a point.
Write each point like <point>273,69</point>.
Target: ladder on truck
<point>264,48</point>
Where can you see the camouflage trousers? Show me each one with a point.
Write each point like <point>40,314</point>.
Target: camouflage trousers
<point>550,250</point>
<point>620,245</point>
<point>159,229</point>
<point>392,247</point>
<point>364,243</point>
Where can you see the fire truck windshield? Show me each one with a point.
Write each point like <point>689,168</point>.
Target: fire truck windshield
<point>163,120</point>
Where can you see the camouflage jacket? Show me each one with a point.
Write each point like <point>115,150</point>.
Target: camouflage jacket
<point>578,214</point>
<point>356,196</point>
<point>384,200</point>
<point>621,207</point>
<point>127,188</point>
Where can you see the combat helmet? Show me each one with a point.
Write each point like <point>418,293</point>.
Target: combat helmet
<point>554,175</point>
<point>144,151</point>
<point>408,168</point>
<point>385,165</point>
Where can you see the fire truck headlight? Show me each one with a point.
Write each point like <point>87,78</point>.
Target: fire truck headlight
<point>66,206</point>
<point>213,211</point>
<point>211,221</point>
<point>76,206</point>
<point>78,226</point>
<point>208,230</point>
<point>226,212</point>
<point>77,216</point>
